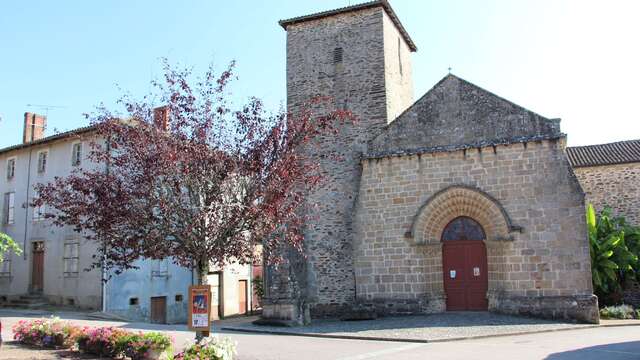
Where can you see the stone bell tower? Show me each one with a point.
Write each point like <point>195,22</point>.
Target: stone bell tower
<point>360,56</point>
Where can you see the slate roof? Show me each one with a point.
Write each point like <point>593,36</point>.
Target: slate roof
<point>51,138</point>
<point>620,152</point>
<point>371,4</point>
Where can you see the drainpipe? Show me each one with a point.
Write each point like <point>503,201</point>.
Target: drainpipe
<point>26,211</point>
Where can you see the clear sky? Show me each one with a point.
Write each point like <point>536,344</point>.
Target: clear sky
<point>576,60</point>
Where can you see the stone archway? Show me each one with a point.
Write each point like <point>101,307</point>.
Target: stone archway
<point>461,200</point>
<point>438,211</point>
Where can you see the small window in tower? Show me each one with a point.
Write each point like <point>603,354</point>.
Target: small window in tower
<point>337,55</point>
<point>399,56</point>
<point>133,301</point>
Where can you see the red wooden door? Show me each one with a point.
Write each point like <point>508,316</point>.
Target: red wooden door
<point>464,263</point>
<point>37,270</point>
<point>242,297</point>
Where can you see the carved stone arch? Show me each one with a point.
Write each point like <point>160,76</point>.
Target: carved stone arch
<point>461,200</point>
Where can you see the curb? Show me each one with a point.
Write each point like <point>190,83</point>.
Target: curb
<point>420,341</point>
<point>637,323</point>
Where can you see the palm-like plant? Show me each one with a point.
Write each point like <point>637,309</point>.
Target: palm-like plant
<point>614,248</point>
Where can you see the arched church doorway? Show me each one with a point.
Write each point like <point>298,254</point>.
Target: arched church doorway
<point>464,263</point>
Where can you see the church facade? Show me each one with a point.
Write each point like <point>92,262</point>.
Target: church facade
<point>458,201</point>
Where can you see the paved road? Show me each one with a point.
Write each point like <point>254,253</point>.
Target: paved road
<point>615,343</point>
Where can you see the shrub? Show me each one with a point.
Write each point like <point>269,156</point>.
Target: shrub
<point>51,333</point>
<point>614,247</point>
<point>142,346</point>
<point>618,312</point>
<point>107,342</point>
<point>101,341</point>
<point>210,348</point>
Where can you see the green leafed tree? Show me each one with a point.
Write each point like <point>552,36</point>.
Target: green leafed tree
<point>7,244</point>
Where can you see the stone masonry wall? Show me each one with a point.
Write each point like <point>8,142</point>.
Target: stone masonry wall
<point>615,186</point>
<point>456,112</point>
<point>545,264</point>
<point>342,56</point>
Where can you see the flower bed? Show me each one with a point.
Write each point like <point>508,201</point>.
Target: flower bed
<point>619,312</point>
<point>110,342</point>
<point>51,333</point>
<point>210,348</point>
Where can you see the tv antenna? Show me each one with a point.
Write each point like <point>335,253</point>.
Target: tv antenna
<point>46,108</point>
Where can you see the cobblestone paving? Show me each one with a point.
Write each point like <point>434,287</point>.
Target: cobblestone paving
<point>434,327</point>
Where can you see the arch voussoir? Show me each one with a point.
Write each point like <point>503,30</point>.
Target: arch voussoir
<point>461,200</point>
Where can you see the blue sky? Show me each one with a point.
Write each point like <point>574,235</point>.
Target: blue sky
<point>576,60</point>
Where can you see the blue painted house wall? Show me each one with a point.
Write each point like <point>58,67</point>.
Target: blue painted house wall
<point>154,278</point>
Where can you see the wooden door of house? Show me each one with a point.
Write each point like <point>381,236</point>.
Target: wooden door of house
<point>159,310</point>
<point>214,280</point>
<point>464,262</point>
<point>242,297</point>
<point>37,270</point>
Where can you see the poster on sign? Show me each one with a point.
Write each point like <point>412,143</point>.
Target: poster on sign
<point>199,307</point>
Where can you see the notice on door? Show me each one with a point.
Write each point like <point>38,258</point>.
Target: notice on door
<point>199,307</point>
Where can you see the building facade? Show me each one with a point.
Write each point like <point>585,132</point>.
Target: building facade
<point>53,260</point>
<point>157,292</point>
<point>52,268</point>
<point>610,176</point>
<point>460,200</point>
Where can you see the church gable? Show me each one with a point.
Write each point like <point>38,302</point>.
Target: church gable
<point>456,113</point>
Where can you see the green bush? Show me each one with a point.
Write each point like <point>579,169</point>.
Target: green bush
<point>619,312</point>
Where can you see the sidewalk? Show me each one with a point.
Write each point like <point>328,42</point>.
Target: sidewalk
<point>420,328</point>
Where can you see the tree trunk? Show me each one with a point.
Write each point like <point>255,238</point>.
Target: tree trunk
<point>203,271</point>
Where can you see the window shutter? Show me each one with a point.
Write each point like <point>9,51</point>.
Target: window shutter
<point>11,168</point>
<point>5,209</point>
<point>76,156</point>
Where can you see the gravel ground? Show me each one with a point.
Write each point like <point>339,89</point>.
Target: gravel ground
<point>443,326</point>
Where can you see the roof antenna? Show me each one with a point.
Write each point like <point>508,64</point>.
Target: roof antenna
<point>46,108</point>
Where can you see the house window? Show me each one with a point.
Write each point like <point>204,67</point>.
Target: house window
<point>160,268</point>
<point>5,265</point>
<point>9,208</point>
<point>42,161</point>
<point>76,154</point>
<point>38,211</point>
<point>133,301</point>
<point>11,168</point>
<point>71,258</point>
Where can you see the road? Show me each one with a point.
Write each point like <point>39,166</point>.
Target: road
<point>615,343</point>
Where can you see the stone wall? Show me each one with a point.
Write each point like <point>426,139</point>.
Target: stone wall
<point>538,254</point>
<point>341,56</point>
<point>457,112</point>
<point>615,186</point>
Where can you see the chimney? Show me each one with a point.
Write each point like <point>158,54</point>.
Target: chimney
<point>34,126</point>
<point>161,117</point>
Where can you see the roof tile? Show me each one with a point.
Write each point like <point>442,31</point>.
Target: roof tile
<point>604,154</point>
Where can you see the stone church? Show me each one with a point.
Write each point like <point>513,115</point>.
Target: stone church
<point>459,200</point>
